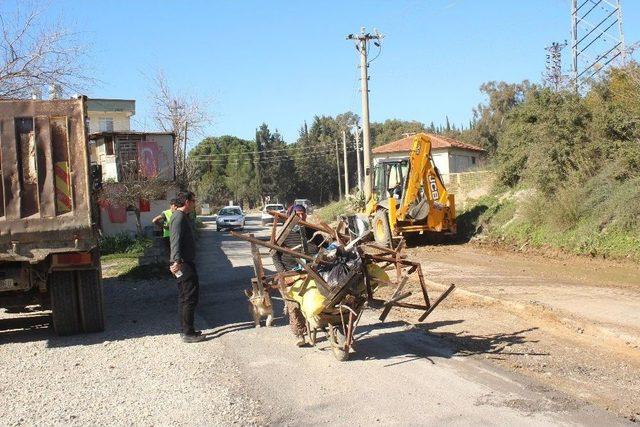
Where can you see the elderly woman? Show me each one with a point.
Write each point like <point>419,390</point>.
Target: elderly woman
<point>284,262</point>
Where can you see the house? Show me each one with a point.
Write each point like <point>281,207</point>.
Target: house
<point>126,155</point>
<point>449,155</point>
<point>109,115</point>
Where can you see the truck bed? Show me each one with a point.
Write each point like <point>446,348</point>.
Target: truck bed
<point>45,197</point>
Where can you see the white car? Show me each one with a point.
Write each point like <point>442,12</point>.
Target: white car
<point>230,217</point>
<point>266,218</point>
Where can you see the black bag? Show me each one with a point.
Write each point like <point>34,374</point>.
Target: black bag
<point>335,273</point>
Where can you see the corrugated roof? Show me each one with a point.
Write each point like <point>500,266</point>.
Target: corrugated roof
<point>437,141</point>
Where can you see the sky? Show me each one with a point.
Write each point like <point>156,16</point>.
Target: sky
<point>282,62</point>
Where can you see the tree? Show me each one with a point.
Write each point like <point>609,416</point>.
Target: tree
<point>275,171</point>
<point>394,129</point>
<point>209,160</point>
<point>488,119</point>
<point>36,56</point>
<point>315,163</point>
<point>240,176</point>
<point>180,113</point>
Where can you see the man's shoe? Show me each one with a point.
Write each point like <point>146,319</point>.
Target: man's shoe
<point>191,338</point>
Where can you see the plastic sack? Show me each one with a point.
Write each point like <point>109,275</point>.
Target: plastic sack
<point>312,302</point>
<point>343,263</point>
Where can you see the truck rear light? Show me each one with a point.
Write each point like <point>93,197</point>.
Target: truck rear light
<point>73,258</point>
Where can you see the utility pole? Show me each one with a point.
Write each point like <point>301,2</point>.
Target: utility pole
<point>346,165</point>
<point>357,130</point>
<point>362,41</point>
<point>553,76</point>
<point>184,153</point>
<point>338,169</point>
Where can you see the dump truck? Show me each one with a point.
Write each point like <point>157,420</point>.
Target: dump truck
<point>49,257</point>
<point>409,196</point>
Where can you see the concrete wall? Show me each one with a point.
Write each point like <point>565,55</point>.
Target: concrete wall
<point>131,143</point>
<point>157,206</point>
<point>463,160</point>
<point>121,120</point>
<point>447,160</point>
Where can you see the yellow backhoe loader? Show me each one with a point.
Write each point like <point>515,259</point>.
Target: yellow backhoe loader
<point>409,196</point>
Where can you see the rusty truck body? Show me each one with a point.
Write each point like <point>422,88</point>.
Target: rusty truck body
<point>48,240</point>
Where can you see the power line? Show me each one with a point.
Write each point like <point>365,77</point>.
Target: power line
<point>327,152</point>
<point>292,147</point>
<point>252,154</point>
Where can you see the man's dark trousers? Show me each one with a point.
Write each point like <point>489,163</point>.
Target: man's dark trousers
<point>188,290</point>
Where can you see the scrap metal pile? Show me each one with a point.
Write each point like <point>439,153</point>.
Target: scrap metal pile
<point>333,286</point>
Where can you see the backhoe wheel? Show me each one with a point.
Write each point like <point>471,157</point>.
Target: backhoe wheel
<point>64,303</point>
<point>90,297</point>
<point>380,225</point>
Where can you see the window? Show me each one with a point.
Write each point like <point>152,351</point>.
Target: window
<point>108,145</point>
<point>106,124</point>
<point>473,160</point>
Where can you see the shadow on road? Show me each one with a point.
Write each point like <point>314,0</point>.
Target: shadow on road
<point>148,306</point>
<point>420,342</point>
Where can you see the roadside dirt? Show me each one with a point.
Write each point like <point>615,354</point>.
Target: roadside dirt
<point>570,322</point>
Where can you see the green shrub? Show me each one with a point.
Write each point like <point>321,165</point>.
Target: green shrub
<point>123,243</point>
<point>330,212</point>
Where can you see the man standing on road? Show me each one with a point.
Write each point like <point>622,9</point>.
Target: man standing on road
<point>183,257</point>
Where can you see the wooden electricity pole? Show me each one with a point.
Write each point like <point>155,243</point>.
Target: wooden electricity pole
<point>346,165</point>
<point>362,41</point>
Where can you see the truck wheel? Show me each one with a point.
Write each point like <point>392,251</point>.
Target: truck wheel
<point>64,303</point>
<point>90,297</point>
<point>380,225</point>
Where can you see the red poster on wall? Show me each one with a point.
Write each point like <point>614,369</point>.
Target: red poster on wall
<point>149,158</point>
<point>145,205</point>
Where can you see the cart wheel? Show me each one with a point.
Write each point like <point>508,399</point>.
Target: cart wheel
<point>337,339</point>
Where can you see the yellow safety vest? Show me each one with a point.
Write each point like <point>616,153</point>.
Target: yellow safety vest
<point>165,226</point>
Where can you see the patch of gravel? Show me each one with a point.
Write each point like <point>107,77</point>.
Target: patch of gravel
<point>136,373</point>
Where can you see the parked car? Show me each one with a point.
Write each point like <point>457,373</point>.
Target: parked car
<point>230,217</point>
<point>266,218</point>
<point>306,203</point>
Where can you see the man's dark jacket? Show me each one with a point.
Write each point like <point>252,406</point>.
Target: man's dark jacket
<point>183,243</point>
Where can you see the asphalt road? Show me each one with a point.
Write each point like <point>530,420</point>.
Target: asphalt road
<point>399,374</point>
<point>138,371</point>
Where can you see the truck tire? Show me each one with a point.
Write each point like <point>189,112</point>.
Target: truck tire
<point>64,303</point>
<point>381,229</point>
<point>91,307</point>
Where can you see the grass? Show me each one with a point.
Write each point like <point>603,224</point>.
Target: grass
<point>123,243</point>
<point>329,213</point>
<point>127,267</point>
<point>120,256</point>
<point>597,217</point>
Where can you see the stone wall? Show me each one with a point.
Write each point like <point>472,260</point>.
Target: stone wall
<point>468,186</point>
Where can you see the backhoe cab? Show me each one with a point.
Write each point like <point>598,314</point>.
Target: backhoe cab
<point>409,196</point>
